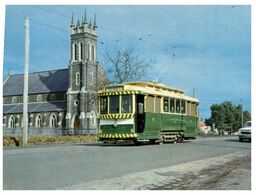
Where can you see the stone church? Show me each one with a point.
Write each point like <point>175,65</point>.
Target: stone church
<point>60,101</point>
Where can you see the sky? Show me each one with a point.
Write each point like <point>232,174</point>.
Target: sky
<point>207,48</point>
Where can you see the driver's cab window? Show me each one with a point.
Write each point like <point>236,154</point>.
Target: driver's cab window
<point>140,108</point>
<point>140,104</point>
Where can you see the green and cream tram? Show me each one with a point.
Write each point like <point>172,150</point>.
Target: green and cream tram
<point>146,112</point>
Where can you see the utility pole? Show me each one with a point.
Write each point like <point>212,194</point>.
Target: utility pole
<point>25,94</point>
<point>242,115</point>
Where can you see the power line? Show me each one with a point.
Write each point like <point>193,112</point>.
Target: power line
<point>53,58</point>
<point>39,22</point>
<point>140,38</point>
<point>145,39</point>
<point>50,11</point>
<point>21,18</point>
<point>185,23</point>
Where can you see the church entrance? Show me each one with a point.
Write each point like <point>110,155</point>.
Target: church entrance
<point>77,123</point>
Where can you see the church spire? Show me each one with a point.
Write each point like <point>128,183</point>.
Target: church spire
<point>94,24</point>
<point>78,23</point>
<point>85,18</point>
<point>72,20</point>
<point>90,24</point>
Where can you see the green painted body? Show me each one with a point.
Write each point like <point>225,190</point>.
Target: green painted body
<point>155,124</point>
<point>118,129</point>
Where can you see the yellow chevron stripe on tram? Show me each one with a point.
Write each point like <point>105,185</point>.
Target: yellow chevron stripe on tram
<point>118,135</point>
<point>116,116</point>
<point>118,93</point>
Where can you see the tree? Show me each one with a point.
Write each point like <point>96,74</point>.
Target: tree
<point>102,78</point>
<point>125,66</point>
<point>227,114</point>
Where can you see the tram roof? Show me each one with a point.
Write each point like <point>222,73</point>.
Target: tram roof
<point>148,88</point>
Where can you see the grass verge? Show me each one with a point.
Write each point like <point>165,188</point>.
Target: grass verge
<point>41,140</point>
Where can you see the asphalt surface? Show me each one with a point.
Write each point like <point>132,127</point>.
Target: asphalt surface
<point>58,167</point>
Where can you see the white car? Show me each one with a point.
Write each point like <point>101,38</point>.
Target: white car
<point>245,132</point>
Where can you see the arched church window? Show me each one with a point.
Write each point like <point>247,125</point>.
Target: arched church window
<point>92,77</point>
<point>4,121</point>
<point>14,99</point>
<point>93,118</point>
<point>52,97</point>
<point>38,121</point>
<point>88,51</point>
<point>77,78</point>
<point>16,121</point>
<point>76,51</point>
<point>53,120</point>
<point>82,51</point>
<point>39,98</point>
<point>11,122</point>
<point>92,53</point>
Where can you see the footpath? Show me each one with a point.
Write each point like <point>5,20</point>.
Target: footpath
<point>228,172</point>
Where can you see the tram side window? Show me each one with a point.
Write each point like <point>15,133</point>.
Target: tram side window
<point>104,105</point>
<point>196,110</point>
<point>193,107</point>
<point>188,108</point>
<point>183,107</point>
<point>113,104</point>
<point>172,108</point>
<point>178,106</point>
<point>166,105</point>
<point>150,104</point>
<point>157,104</point>
<point>126,104</point>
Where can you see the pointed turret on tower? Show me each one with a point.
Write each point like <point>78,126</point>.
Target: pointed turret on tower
<point>94,24</point>
<point>83,26</point>
<point>78,24</point>
<point>85,19</point>
<point>90,24</point>
<point>72,21</point>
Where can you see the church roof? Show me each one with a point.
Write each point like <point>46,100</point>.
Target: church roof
<point>39,82</point>
<point>35,107</point>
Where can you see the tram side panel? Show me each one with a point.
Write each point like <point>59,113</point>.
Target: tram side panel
<point>152,125</point>
<point>191,127</point>
<point>173,123</point>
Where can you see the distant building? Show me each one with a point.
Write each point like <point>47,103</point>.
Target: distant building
<point>60,101</point>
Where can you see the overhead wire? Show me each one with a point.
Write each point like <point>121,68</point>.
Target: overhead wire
<point>21,18</point>
<point>144,39</point>
<point>140,38</point>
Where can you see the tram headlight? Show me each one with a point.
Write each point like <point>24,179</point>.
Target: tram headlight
<point>115,123</point>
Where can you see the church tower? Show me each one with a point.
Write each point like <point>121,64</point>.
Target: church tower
<point>83,76</point>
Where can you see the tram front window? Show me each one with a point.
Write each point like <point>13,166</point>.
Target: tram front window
<point>126,104</point>
<point>104,105</point>
<point>113,104</point>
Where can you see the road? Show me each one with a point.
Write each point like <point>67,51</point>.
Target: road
<point>89,166</point>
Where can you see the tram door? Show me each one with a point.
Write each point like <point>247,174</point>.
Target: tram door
<point>140,114</point>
